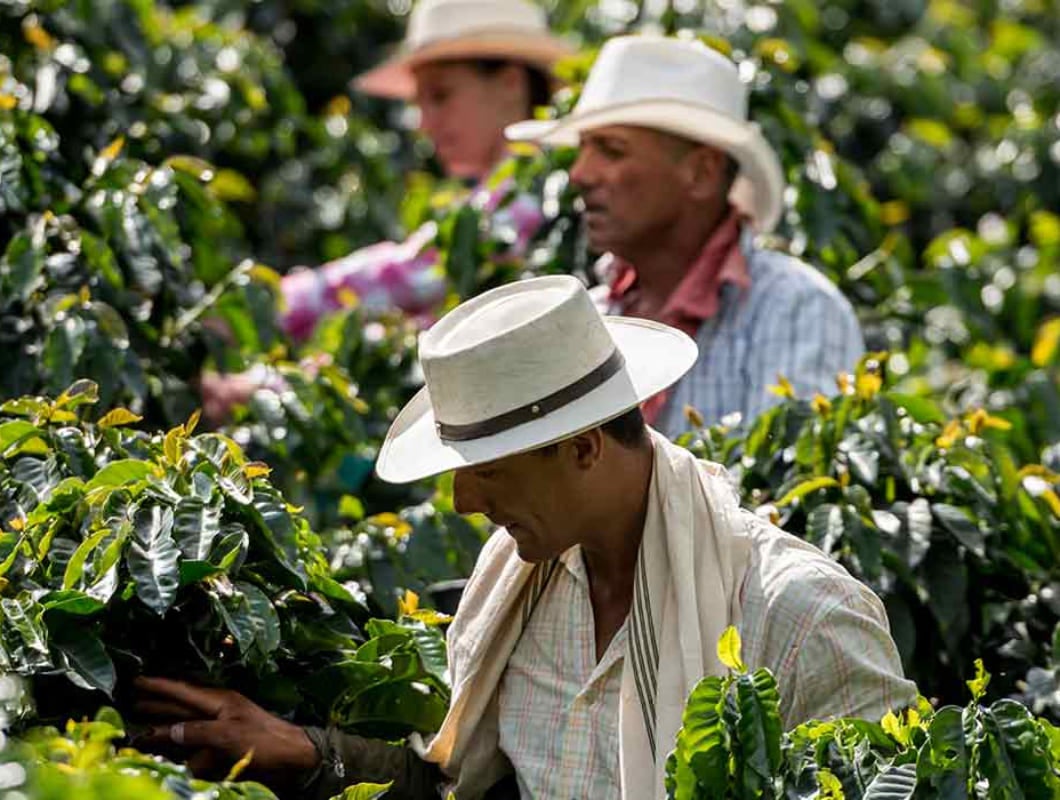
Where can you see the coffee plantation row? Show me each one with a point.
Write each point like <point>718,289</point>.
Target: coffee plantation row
<point>162,164</point>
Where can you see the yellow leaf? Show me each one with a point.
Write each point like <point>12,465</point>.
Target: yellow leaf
<point>783,388</point>
<point>695,419</point>
<point>348,298</point>
<point>338,106</point>
<point>408,604</point>
<point>805,488</point>
<point>231,187</point>
<point>398,527</point>
<point>112,150</point>
<point>1046,343</point>
<point>830,786</point>
<point>256,469</point>
<point>844,383</point>
<point>171,445</point>
<point>868,385</point>
<point>979,420</point>
<point>981,680</point>
<point>821,404</point>
<point>37,36</point>
<point>117,418</point>
<point>7,102</point>
<point>729,647</point>
<point>429,616</point>
<point>267,275</point>
<point>523,149</point>
<point>894,212</point>
<point>949,436</point>
<point>1038,471</point>
<point>193,422</point>
<point>240,765</point>
<point>16,524</point>
<point>1051,500</point>
<point>891,725</point>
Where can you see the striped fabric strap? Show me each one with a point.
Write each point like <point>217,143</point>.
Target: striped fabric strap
<point>538,581</point>
<point>645,651</point>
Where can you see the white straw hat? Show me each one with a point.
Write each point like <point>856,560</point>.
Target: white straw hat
<point>679,87</point>
<point>522,366</point>
<point>449,30</point>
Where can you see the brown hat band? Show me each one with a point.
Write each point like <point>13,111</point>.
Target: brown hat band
<point>536,410</point>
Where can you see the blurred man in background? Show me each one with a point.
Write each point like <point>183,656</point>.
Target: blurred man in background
<point>676,181</point>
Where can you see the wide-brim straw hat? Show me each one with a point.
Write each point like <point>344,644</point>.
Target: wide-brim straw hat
<point>520,367</point>
<point>680,87</point>
<point>454,30</point>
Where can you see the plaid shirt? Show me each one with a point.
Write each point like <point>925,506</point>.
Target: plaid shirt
<point>791,321</point>
<point>824,635</point>
<point>398,275</point>
<point>558,706</point>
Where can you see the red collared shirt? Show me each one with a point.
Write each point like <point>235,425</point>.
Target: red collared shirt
<point>696,297</point>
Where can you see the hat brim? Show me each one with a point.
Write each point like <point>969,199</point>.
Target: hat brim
<point>759,191</point>
<point>394,77</point>
<point>656,356</point>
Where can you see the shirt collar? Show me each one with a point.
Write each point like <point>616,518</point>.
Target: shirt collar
<point>697,296</point>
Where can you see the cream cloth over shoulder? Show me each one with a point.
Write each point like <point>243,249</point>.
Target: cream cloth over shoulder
<point>692,560</point>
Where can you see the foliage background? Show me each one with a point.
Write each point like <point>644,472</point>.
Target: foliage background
<point>161,163</point>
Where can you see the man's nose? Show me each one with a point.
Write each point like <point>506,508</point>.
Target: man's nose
<point>581,172</point>
<point>467,495</point>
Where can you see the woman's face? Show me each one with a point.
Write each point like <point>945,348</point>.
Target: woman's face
<point>464,110</point>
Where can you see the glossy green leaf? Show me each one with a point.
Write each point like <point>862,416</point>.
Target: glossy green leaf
<point>153,557</point>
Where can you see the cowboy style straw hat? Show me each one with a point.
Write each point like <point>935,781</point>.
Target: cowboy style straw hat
<point>679,87</point>
<point>448,30</point>
<point>523,366</point>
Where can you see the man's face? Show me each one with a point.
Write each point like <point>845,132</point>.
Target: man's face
<point>535,496</point>
<point>633,182</point>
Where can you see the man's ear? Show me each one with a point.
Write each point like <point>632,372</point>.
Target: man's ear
<point>706,166</point>
<point>587,448</point>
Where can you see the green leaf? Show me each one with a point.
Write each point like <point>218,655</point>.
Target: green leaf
<point>119,473</point>
<point>195,526</point>
<point>896,782</point>
<point>85,657</point>
<point>75,567</point>
<point>758,731</point>
<point>1014,754</point>
<point>82,392</point>
<point>921,409</point>
<point>153,557</point>
<point>961,523</point>
<point>71,602</point>
<point>25,639</point>
<point>366,791</point>
<point>11,433</point>
<point>698,768</point>
<point>22,265</point>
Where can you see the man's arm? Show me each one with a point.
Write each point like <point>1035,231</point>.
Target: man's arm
<point>218,727</point>
<point>345,759</point>
<point>847,664</point>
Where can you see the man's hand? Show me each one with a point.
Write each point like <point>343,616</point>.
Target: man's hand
<point>218,727</point>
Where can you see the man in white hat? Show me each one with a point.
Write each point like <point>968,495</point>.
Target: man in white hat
<point>597,607</point>
<point>675,182</point>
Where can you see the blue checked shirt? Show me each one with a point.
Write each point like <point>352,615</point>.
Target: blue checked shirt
<point>792,322</point>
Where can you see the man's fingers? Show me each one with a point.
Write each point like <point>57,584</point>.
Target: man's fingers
<point>207,702</point>
<point>161,709</point>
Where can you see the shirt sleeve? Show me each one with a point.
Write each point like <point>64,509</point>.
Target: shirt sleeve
<point>847,664</point>
<point>809,337</point>
<point>384,276</point>
<point>346,759</point>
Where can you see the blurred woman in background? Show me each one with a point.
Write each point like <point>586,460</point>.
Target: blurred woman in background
<point>471,67</point>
